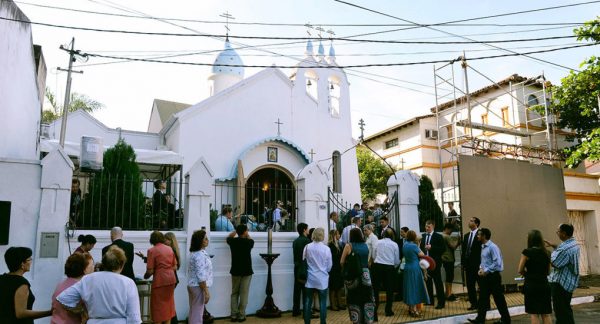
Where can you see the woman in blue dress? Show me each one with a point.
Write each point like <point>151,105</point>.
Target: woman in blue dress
<point>414,291</point>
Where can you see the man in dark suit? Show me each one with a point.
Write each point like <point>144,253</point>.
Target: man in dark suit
<point>116,236</point>
<point>434,246</point>
<point>471,259</point>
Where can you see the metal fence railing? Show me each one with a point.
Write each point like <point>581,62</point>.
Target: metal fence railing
<point>103,200</point>
<point>253,204</point>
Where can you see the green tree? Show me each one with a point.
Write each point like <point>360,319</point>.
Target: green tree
<point>429,209</point>
<point>115,195</point>
<point>78,101</point>
<point>576,101</point>
<point>373,174</point>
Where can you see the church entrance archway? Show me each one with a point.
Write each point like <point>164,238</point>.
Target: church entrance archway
<point>265,188</point>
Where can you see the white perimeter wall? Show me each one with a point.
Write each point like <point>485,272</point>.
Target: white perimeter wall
<point>19,104</point>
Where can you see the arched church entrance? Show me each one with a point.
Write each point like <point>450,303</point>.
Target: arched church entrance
<point>267,187</point>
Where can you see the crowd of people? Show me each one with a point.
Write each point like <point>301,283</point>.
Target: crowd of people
<point>276,218</point>
<point>348,271</point>
<point>410,264</point>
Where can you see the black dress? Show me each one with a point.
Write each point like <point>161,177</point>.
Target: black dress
<point>335,275</point>
<point>8,287</point>
<point>536,288</point>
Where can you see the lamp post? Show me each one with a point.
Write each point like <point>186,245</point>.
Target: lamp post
<point>269,309</point>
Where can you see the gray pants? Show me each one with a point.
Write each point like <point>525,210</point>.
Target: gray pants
<point>240,287</point>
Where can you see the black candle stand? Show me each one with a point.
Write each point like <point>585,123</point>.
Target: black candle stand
<point>269,310</point>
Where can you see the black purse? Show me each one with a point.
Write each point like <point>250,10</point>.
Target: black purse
<point>352,267</point>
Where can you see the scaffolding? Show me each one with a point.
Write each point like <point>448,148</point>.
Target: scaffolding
<point>454,107</point>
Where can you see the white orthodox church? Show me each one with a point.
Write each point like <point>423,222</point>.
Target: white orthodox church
<point>269,129</point>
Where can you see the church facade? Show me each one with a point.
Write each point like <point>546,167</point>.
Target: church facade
<point>255,142</point>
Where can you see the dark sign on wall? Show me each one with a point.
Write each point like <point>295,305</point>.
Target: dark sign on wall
<point>4,221</point>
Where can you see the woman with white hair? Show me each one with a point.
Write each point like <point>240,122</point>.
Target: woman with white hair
<point>319,261</point>
<point>414,291</point>
<point>108,296</point>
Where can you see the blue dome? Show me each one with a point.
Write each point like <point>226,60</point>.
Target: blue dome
<point>228,57</point>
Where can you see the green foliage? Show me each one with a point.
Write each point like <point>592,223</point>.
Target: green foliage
<point>78,101</point>
<point>590,31</point>
<point>429,209</point>
<point>115,195</point>
<point>373,174</point>
<point>589,148</point>
<point>576,102</point>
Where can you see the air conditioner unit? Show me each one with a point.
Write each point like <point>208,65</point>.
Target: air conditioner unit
<point>431,134</point>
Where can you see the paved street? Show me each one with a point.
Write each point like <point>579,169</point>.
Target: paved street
<point>584,313</point>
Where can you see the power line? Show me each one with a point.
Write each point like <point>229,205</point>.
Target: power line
<point>450,23</point>
<point>210,52</point>
<point>289,38</point>
<point>336,66</point>
<point>448,33</point>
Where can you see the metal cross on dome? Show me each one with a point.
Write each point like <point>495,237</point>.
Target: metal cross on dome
<point>320,30</point>
<point>312,153</point>
<point>227,16</point>
<point>308,28</point>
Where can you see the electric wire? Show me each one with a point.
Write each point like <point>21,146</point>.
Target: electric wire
<point>327,66</point>
<point>445,32</point>
<point>449,23</point>
<point>197,34</point>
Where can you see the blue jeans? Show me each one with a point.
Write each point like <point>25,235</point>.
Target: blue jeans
<point>308,301</point>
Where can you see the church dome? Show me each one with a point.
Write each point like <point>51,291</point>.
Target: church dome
<point>228,57</point>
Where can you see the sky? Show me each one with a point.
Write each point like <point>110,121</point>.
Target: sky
<point>382,96</point>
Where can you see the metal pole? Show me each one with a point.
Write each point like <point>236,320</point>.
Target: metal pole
<point>468,97</point>
<point>63,124</point>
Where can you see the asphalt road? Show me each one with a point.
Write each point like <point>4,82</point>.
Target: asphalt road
<point>584,313</point>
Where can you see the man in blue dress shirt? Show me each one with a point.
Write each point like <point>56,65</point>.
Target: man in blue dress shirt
<point>490,280</point>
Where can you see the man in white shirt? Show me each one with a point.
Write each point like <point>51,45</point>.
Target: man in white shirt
<point>356,222</point>
<point>386,256</point>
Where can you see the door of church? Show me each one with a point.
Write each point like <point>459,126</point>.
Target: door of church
<point>264,190</point>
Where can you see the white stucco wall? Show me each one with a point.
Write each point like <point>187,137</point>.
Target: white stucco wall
<point>20,107</point>
<point>80,123</point>
<point>24,193</point>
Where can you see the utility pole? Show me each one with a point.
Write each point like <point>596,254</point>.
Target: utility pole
<point>63,125</point>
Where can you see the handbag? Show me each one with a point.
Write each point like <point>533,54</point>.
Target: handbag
<point>352,267</point>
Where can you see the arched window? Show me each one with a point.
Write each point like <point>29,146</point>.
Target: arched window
<point>532,100</point>
<point>311,84</point>
<point>334,97</point>
<point>336,160</point>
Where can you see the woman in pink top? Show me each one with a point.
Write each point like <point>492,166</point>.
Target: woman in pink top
<point>77,265</point>
<point>161,266</point>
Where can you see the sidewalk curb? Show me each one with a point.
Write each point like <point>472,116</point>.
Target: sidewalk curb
<point>493,314</point>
